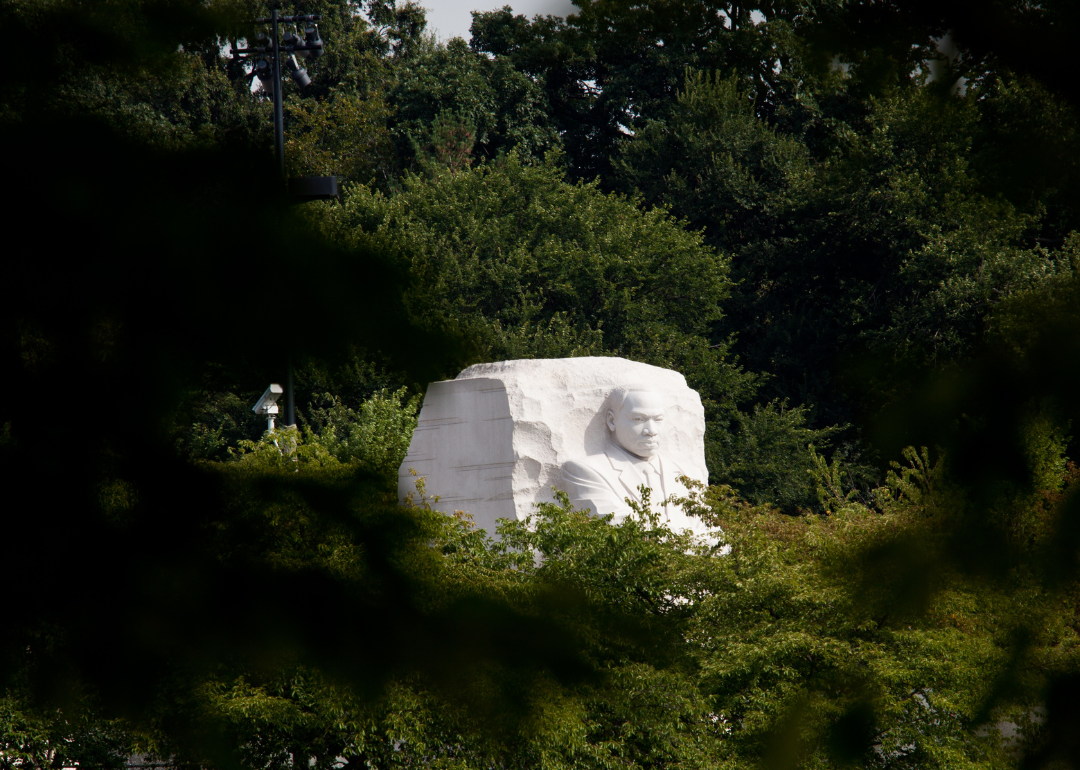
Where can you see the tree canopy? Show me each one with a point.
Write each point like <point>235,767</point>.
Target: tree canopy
<point>851,226</point>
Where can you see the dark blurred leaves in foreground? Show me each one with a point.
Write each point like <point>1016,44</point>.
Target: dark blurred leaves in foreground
<point>133,269</point>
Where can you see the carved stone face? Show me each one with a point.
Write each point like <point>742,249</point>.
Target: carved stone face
<point>637,426</point>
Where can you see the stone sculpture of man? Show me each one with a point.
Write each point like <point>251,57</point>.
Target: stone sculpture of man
<point>632,458</point>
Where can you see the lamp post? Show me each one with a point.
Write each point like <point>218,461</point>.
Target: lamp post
<point>266,56</point>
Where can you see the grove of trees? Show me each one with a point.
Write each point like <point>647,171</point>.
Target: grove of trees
<point>853,226</point>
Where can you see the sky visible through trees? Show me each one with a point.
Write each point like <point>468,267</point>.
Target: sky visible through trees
<point>451,18</point>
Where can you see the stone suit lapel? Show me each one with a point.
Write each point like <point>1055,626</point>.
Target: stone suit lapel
<point>628,475</point>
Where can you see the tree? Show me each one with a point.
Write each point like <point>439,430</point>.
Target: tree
<point>889,247</point>
<point>164,573</point>
<point>494,107</point>
<point>613,66</point>
<point>868,212</point>
<point>827,662</point>
<point>531,265</point>
<point>276,604</point>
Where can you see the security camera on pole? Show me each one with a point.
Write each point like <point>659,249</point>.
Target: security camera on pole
<point>267,404</point>
<point>265,56</point>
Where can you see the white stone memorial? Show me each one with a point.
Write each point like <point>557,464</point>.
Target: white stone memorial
<point>496,439</point>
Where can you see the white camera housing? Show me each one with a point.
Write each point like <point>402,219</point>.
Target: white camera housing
<point>268,401</point>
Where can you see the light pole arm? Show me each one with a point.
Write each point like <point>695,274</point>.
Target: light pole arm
<point>313,46</point>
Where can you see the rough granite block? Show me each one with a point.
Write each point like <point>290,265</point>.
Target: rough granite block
<point>493,441</point>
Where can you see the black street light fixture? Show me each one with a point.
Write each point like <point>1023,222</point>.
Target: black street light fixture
<point>266,56</point>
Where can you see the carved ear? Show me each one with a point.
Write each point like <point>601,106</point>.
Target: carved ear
<point>610,419</point>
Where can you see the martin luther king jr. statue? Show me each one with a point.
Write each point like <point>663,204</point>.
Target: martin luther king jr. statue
<point>632,457</point>
<point>501,436</point>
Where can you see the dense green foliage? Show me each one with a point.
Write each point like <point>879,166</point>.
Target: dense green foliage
<point>530,265</point>
<point>858,247</point>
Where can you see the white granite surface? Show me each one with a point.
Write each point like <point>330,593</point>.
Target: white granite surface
<point>493,441</point>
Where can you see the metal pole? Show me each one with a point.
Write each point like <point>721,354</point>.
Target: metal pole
<point>290,405</point>
<point>279,120</point>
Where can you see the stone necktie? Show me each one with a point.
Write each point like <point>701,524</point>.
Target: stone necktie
<point>655,481</point>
